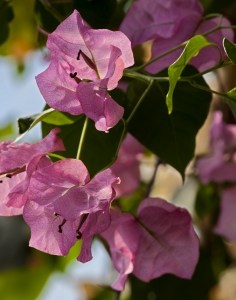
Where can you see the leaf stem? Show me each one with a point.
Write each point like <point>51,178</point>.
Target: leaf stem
<point>139,101</point>
<point>216,67</point>
<point>117,295</point>
<point>151,182</point>
<point>201,87</point>
<point>217,27</point>
<point>143,77</point>
<point>48,6</point>
<point>82,137</point>
<point>159,56</point>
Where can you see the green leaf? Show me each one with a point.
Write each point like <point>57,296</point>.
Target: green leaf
<point>23,283</point>
<point>207,202</point>
<point>49,116</point>
<point>99,149</point>
<point>97,13</point>
<point>6,16</point>
<point>7,130</point>
<point>230,50</point>
<point>192,48</point>
<point>170,136</point>
<point>27,123</point>
<point>230,99</point>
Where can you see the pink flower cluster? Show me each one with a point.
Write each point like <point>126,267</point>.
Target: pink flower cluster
<point>62,205</point>
<point>220,167</point>
<point>58,200</point>
<point>159,240</point>
<point>127,166</point>
<point>85,64</point>
<point>220,164</point>
<point>169,23</point>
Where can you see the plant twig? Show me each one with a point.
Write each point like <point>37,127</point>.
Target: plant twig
<point>117,295</point>
<point>139,101</point>
<point>82,137</point>
<point>151,182</point>
<point>48,6</point>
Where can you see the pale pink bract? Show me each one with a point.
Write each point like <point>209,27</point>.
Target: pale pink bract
<point>126,167</point>
<point>85,64</point>
<point>159,240</point>
<point>17,163</point>
<point>168,24</point>
<point>65,205</point>
<point>226,225</point>
<point>220,164</point>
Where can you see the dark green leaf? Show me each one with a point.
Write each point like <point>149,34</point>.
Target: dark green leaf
<point>6,16</point>
<point>170,136</point>
<point>192,48</point>
<point>99,148</point>
<point>207,202</point>
<point>230,50</point>
<point>51,13</point>
<point>97,13</point>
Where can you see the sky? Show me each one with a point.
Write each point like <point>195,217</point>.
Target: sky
<point>19,94</point>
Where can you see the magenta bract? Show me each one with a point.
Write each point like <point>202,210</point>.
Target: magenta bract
<point>169,23</point>
<point>226,225</point>
<point>85,63</point>
<point>64,205</point>
<point>159,240</point>
<point>126,166</point>
<point>17,163</point>
<point>220,164</point>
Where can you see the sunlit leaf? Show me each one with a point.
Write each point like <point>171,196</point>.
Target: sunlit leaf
<point>192,48</point>
<point>49,116</point>
<point>230,99</point>
<point>7,130</point>
<point>27,123</point>
<point>24,283</point>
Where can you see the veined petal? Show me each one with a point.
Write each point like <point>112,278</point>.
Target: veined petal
<point>98,105</point>
<point>46,233</point>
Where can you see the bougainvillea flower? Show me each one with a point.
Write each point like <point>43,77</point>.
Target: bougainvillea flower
<point>147,20</point>
<point>62,193</point>
<point>159,240</point>
<point>220,164</point>
<point>164,23</point>
<point>126,166</point>
<point>226,225</point>
<point>17,163</point>
<point>85,64</point>
<point>209,56</point>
